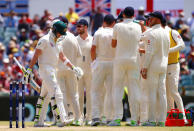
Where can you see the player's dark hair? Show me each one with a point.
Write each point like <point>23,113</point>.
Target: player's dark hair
<point>128,11</point>
<point>109,19</point>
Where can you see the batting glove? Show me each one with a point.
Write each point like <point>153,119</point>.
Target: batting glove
<point>78,72</point>
<point>28,75</point>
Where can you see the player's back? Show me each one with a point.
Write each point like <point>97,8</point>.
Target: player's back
<point>128,37</point>
<point>161,47</point>
<point>104,49</point>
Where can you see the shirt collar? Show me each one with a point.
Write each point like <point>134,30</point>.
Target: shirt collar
<point>127,20</point>
<point>83,39</point>
<point>156,26</point>
<point>52,36</point>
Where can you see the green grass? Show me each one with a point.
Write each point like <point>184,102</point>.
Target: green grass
<point>4,126</point>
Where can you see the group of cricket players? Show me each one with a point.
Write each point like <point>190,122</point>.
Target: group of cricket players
<point>121,53</point>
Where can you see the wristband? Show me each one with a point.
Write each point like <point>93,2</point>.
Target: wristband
<point>66,61</point>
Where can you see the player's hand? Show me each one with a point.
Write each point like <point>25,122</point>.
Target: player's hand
<point>144,73</point>
<point>78,72</point>
<point>28,75</point>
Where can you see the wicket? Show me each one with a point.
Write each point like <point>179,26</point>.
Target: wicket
<point>16,85</point>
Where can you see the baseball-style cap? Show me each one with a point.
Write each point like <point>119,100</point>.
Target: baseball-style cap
<point>157,14</point>
<point>109,19</point>
<point>128,11</point>
<point>82,22</point>
<point>60,27</point>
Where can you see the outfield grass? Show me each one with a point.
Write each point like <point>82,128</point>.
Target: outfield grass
<point>4,126</point>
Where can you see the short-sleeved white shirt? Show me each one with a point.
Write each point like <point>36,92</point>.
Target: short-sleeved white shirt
<point>102,40</point>
<point>85,46</point>
<point>50,50</point>
<point>127,34</point>
<point>71,49</point>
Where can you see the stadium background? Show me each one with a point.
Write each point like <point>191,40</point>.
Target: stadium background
<point>13,43</point>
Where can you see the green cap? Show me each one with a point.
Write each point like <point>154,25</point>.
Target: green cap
<point>60,27</point>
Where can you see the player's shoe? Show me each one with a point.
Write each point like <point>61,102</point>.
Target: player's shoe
<point>116,122</point>
<point>103,121</point>
<point>37,124</point>
<point>76,123</point>
<point>162,124</point>
<point>148,124</point>
<point>95,122</point>
<point>67,122</point>
<point>131,123</point>
<point>88,123</point>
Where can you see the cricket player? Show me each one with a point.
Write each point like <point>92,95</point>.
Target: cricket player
<point>85,42</point>
<point>126,37</point>
<point>103,54</point>
<point>173,69</point>
<point>48,52</point>
<point>154,69</point>
<point>66,78</point>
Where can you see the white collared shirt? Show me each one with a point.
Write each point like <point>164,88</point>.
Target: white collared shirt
<point>127,34</point>
<point>50,50</point>
<point>85,46</point>
<point>102,40</point>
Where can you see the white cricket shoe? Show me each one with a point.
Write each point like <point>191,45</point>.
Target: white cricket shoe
<point>37,124</point>
<point>67,122</point>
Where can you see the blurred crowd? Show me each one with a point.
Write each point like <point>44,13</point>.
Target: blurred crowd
<point>19,35</point>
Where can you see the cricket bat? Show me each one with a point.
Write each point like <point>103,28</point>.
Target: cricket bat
<point>34,85</point>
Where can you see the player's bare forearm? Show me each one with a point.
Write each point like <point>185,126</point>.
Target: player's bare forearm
<point>114,43</point>
<point>37,53</point>
<point>64,59</point>
<point>93,52</point>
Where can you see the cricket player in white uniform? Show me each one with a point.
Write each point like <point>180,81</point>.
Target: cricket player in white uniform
<point>154,69</point>
<point>48,53</point>
<point>85,42</point>
<point>66,78</point>
<point>173,70</point>
<point>126,37</point>
<point>102,54</point>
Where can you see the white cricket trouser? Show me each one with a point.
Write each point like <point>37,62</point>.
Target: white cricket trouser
<point>102,78</point>
<point>144,104</point>
<point>144,95</point>
<point>85,83</point>
<point>172,79</point>
<point>42,106</point>
<point>48,74</point>
<point>121,69</point>
<point>69,87</point>
<point>155,83</point>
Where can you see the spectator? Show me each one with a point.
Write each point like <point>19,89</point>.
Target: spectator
<point>191,61</point>
<point>1,21</point>
<point>11,20</point>
<point>72,16</point>
<point>185,33</point>
<point>93,12</point>
<point>47,16</point>
<point>36,19</point>
<point>23,36</point>
<point>184,70</point>
<point>23,24</point>
<point>2,49</point>
<point>180,21</point>
<point>97,21</point>
<point>140,15</point>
